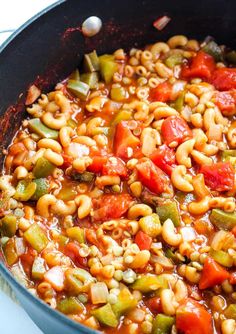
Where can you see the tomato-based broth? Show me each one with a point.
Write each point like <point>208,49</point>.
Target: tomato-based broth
<point>118,192</point>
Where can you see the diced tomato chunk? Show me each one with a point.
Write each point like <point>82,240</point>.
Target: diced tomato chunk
<point>226,102</point>
<point>212,274</point>
<point>219,177</point>
<point>175,129</point>
<point>143,240</point>
<point>232,279</point>
<point>154,304</point>
<point>112,206</point>
<point>162,92</point>
<point>224,78</point>
<point>17,148</point>
<point>67,161</point>
<point>123,140</point>
<point>152,177</point>
<point>72,251</point>
<point>164,158</point>
<point>97,165</point>
<point>114,166</point>
<point>27,260</point>
<point>200,66</point>
<point>193,318</point>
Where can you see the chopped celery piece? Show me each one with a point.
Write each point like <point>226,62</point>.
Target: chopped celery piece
<point>123,115</point>
<point>148,283</point>
<point>108,67</point>
<point>36,237</point>
<point>221,257</point>
<point>25,190</point>
<point>150,225</point>
<point>118,94</point>
<point>10,252</point>
<point>173,60</point>
<point>76,279</point>
<point>91,62</point>
<point>214,50</point>
<point>223,220</point>
<point>105,315</point>
<point>8,226</point>
<point>70,305</point>
<point>38,268</point>
<point>43,168</point>
<point>75,75</point>
<point>78,88</point>
<point>72,123</point>
<point>83,177</point>
<point>231,57</point>
<point>162,324</point>
<point>179,102</point>
<point>230,312</point>
<point>42,188</point>
<point>42,130</point>
<point>76,233</point>
<point>90,79</point>
<point>169,210</point>
<point>125,303</point>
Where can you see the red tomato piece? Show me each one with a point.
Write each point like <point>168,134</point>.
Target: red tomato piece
<point>162,92</point>
<point>67,161</point>
<point>193,318</point>
<point>212,274</point>
<point>143,240</point>
<point>234,231</point>
<point>232,279</point>
<point>123,140</point>
<point>17,148</point>
<point>200,66</point>
<point>226,102</point>
<point>164,158</point>
<point>72,250</point>
<point>97,164</point>
<point>112,206</point>
<point>154,304</point>
<point>224,78</point>
<point>114,166</point>
<point>219,177</point>
<point>152,177</point>
<point>27,261</point>
<point>175,129</point>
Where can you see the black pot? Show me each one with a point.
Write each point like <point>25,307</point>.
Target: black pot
<point>45,50</point>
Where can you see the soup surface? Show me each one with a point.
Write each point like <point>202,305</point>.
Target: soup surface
<point>118,192</point>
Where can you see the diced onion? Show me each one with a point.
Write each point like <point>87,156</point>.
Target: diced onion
<point>161,22</point>
<point>99,293</point>
<point>222,239</point>
<point>55,276</point>
<point>163,261</point>
<point>20,246</point>
<point>188,233</point>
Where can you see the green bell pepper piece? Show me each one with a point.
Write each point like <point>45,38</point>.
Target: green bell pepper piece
<point>231,57</point>
<point>125,303</point>
<point>108,67</point>
<point>70,305</point>
<point>90,79</point>
<point>83,177</point>
<point>38,268</point>
<point>229,155</point>
<point>223,220</point>
<point>41,189</point>
<point>43,168</point>
<point>25,190</point>
<point>118,94</point>
<point>230,312</point>
<point>72,123</point>
<point>162,324</point>
<point>75,75</point>
<point>91,62</point>
<point>148,283</point>
<point>75,279</point>
<point>123,115</point>
<point>150,225</point>
<point>169,210</point>
<point>8,226</point>
<point>67,192</point>
<point>173,60</point>
<point>76,233</point>
<point>105,315</point>
<point>221,257</point>
<point>36,237</point>
<point>9,251</point>
<point>214,50</point>
<point>179,102</point>
<point>42,130</point>
<point>79,89</point>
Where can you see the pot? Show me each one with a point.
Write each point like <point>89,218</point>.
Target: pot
<point>50,46</point>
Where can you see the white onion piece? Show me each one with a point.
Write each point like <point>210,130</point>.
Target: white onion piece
<point>188,233</point>
<point>91,26</point>
<point>161,22</point>
<point>99,293</point>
